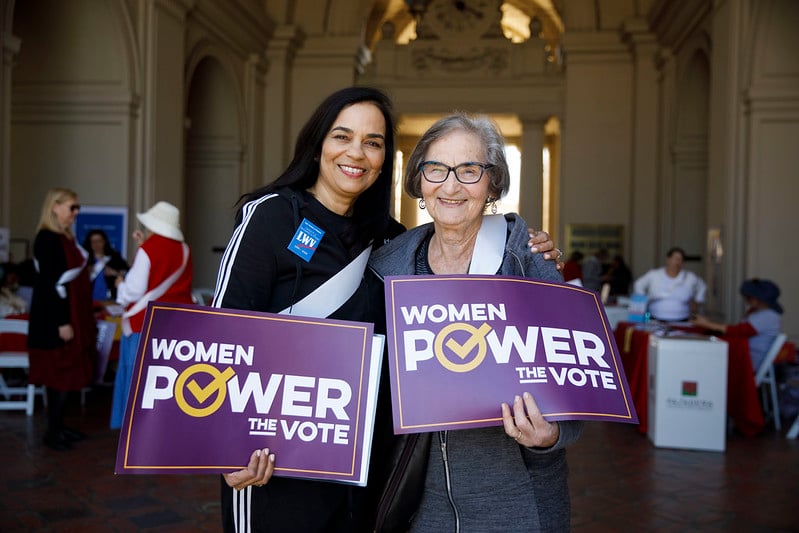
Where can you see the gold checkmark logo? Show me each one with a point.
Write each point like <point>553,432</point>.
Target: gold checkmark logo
<point>462,350</point>
<point>217,385</point>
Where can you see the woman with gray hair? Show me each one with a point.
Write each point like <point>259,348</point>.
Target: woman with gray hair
<point>508,478</point>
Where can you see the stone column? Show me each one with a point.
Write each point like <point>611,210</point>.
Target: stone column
<point>163,37</point>
<point>278,142</point>
<point>10,50</point>
<point>643,47</point>
<point>254,103</point>
<point>531,188</point>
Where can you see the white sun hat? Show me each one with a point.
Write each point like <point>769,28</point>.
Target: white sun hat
<point>163,219</point>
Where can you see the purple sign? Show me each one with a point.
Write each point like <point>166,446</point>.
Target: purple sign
<point>459,346</point>
<point>211,385</point>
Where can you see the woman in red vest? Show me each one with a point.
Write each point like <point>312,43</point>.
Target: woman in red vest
<point>161,272</point>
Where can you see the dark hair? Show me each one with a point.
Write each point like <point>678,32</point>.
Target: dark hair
<point>675,249</point>
<point>480,125</point>
<point>87,242</point>
<point>371,209</point>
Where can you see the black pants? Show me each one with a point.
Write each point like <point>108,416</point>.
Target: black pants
<point>293,505</point>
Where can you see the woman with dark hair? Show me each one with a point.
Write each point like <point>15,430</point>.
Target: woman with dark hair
<point>761,323</point>
<point>339,183</point>
<point>673,293</point>
<point>105,263</point>
<point>338,187</point>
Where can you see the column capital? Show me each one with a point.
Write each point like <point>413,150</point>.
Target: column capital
<point>284,43</point>
<point>11,46</point>
<point>532,120</point>
<point>178,8</point>
<point>635,32</point>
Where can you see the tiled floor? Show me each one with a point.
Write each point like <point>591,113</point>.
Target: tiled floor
<point>619,482</point>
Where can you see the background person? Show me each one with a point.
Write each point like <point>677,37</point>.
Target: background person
<point>572,269</point>
<point>761,323</point>
<point>594,269</point>
<point>106,265</point>
<point>673,294</point>
<point>339,180</point>
<point>618,277</point>
<point>10,302</point>
<point>161,272</point>
<point>510,478</point>
<point>61,331</point>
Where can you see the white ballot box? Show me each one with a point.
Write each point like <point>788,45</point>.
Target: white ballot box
<point>687,392</point>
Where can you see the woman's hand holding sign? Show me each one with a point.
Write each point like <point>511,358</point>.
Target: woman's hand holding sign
<point>529,428</point>
<point>258,472</point>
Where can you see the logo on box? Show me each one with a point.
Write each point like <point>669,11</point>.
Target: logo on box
<point>689,388</point>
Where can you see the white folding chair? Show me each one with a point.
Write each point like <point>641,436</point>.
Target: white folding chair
<point>793,432</point>
<point>765,377</point>
<point>16,359</point>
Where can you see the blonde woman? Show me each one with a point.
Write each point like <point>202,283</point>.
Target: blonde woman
<point>62,330</point>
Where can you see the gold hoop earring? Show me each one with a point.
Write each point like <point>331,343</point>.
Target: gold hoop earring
<point>422,205</point>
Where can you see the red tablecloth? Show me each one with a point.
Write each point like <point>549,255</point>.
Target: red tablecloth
<point>19,343</point>
<point>743,404</point>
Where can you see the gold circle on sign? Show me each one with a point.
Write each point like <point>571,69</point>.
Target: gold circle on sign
<point>438,346</point>
<point>218,379</point>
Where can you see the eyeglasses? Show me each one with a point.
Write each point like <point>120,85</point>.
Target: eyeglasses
<point>466,173</point>
<point>74,207</point>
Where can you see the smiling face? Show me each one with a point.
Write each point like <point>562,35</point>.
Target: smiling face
<point>452,204</point>
<point>352,156</point>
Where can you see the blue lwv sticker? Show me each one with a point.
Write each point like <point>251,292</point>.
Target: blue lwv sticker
<point>306,240</point>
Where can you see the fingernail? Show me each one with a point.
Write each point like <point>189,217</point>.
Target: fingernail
<point>258,453</point>
<point>271,457</point>
<point>517,398</point>
<point>266,451</point>
<point>527,395</point>
<point>534,249</point>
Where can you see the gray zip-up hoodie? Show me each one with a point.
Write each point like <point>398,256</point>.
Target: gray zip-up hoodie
<point>480,479</point>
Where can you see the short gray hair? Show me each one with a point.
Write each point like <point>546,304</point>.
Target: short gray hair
<point>488,133</point>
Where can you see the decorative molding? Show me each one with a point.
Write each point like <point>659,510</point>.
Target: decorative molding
<point>447,61</point>
<point>483,60</point>
<point>207,151</point>
<point>691,153</point>
<point>635,32</point>
<point>329,52</point>
<point>595,47</point>
<point>231,25</point>
<point>73,104</point>
<point>673,22</point>
<point>177,8</point>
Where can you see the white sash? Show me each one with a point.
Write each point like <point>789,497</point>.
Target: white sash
<point>489,247</point>
<point>69,275</point>
<point>332,294</point>
<point>155,293</point>
<point>98,267</point>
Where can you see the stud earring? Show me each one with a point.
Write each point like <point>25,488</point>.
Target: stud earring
<point>422,205</point>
